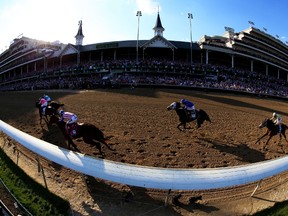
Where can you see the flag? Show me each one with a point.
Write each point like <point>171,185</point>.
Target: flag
<point>277,36</point>
<point>190,16</point>
<point>264,29</point>
<point>251,23</point>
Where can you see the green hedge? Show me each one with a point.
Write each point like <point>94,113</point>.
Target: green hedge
<point>32,195</point>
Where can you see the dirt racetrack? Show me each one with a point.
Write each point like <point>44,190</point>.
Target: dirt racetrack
<point>143,132</point>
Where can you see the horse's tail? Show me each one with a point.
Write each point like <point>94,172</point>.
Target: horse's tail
<point>105,143</point>
<point>37,104</point>
<point>99,136</point>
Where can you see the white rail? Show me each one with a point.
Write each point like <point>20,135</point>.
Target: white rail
<point>149,177</point>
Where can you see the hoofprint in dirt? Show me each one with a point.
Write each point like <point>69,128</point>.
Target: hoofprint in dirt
<point>143,132</point>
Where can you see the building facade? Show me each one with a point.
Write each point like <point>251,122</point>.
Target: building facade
<point>251,50</point>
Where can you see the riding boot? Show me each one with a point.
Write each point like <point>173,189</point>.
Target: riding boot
<point>43,110</point>
<point>280,129</point>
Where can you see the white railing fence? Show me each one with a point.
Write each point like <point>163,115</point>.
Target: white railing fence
<point>149,177</point>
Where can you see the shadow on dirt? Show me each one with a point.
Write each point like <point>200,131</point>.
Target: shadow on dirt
<point>229,101</point>
<point>242,151</point>
<point>128,200</point>
<point>27,100</point>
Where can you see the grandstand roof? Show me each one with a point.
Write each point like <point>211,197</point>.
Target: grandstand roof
<point>133,43</point>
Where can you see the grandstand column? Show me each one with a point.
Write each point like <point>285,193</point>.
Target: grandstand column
<point>267,70</point>
<point>45,64</point>
<point>114,54</point>
<point>278,73</point>
<point>207,57</point>
<point>61,61</point>
<point>232,58</point>
<point>78,56</point>
<point>252,65</point>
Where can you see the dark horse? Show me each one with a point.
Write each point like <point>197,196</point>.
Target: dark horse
<point>201,115</point>
<point>51,109</point>
<point>90,133</point>
<point>272,130</point>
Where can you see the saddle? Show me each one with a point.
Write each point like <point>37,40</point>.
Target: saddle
<point>72,129</point>
<point>191,115</point>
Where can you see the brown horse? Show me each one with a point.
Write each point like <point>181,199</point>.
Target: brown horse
<point>89,132</point>
<point>272,130</point>
<point>51,110</point>
<point>201,116</point>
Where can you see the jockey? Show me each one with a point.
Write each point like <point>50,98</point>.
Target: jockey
<point>189,106</point>
<point>70,119</point>
<point>43,103</point>
<point>277,119</point>
<point>47,98</point>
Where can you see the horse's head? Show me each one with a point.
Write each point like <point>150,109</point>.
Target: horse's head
<point>56,105</point>
<point>173,106</point>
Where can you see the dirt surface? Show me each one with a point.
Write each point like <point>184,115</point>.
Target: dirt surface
<point>143,132</point>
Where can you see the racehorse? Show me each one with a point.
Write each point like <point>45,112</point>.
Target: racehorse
<point>272,130</point>
<point>89,132</point>
<point>201,115</point>
<point>51,109</point>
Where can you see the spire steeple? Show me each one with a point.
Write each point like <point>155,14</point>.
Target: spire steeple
<point>158,29</point>
<point>79,37</point>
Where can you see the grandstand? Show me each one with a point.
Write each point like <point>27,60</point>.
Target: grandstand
<point>236,59</point>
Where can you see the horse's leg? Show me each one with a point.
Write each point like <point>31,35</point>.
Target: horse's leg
<point>283,133</point>
<point>46,119</point>
<point>178,126</point>
<point>41,116</point>
<point>261,137</point>
<point>41,122</point>
<point>70,142</point>
<point>280,138</point>
<point>198,124</point>
<point>91,142</point>
<point>106,144</point>
<point>268,140</point>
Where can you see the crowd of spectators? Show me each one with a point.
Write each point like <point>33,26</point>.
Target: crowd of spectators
<point>93,75</point>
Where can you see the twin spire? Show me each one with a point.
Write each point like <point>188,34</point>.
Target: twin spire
<point>158,30</point>
<point>79,36</point>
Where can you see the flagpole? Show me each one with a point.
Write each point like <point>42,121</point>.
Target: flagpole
<point>137,46</point>
<point>190,17</point>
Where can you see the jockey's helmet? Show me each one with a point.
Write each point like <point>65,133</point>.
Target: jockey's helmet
<point>274,115</point>
<point>182,101</point>
<point>61,112</point>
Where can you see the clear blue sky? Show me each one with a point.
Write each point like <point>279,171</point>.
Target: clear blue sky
<point>112,20</point>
